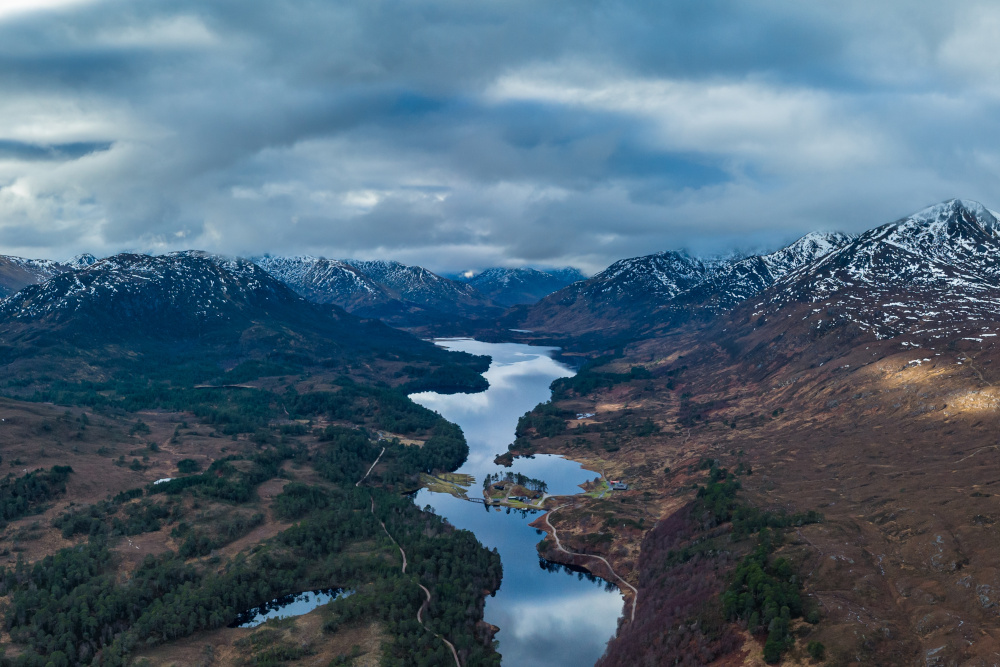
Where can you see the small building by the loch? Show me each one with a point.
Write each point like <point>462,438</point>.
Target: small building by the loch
<point>618,485</point>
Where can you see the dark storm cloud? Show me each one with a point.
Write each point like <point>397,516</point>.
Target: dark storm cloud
<point>21,150</point>
<point>457,134</point>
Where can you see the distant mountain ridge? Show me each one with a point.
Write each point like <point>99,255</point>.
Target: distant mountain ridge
<point>19,272</point>
<point>404,295</point>
<point>400,295</point>
<point>514,286</point>
<point>935,271</point>
<point>417,285</point>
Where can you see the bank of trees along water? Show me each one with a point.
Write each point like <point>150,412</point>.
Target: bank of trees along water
<point>75,607</point>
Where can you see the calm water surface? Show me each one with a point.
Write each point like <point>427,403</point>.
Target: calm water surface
<point>287,606</point>
<point>547,617</point>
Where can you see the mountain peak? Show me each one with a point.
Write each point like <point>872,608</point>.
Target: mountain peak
<point>82,261</point>
<point>950,209</point>
<point>801,252</point>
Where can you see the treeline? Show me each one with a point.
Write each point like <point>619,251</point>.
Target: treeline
<point>587,380</point>
<point>231,411</point>
<point>447,379</point>
<point>24,495</point>
<point>717,503</point>
<point>546,419</point>
<point>382,407</point>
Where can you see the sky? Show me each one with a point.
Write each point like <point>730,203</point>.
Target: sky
<point>458,135</point>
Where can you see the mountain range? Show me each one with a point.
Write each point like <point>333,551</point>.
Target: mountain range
<point>947,255</point>
<point>199,310</point>
<point>410,296</point>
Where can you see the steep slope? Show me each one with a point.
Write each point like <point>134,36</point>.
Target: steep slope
<point>510,287</point>
<point>192,305</point>
<point>401,296</point>
<point>326,281</point>
<point>733,282</point>
<point>624,294</point>
<point>18,272</point>
<point>417,286</point>
<point>929,272</point>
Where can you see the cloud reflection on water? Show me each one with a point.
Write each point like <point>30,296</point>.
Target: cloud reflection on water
<point>546,618</point>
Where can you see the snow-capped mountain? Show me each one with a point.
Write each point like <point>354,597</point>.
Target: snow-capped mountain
<point>416,285</point>
<point>657,277</point>
<point>395,293</point>
<point>624,293</point>
<point>735,281</point>
<point>82,261</point>
<point>923,273</point>
<point>952,243</point>
<point>181,293</point>
<point>509,287</point>
<point>18,272</point>
<point>326,281</point>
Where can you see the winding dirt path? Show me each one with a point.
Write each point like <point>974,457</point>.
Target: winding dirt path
<point>427,602</point>
<point>555,535</point>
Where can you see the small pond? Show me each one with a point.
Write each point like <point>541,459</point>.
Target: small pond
<point>288,606</point>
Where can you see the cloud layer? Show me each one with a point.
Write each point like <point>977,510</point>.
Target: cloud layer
<point>459,135</point>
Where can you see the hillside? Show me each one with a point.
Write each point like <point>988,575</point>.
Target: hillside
<point>402,296</point>
<point>625,293</point>
<point>859,387</point>
<point>18,272</point>
<point>420,287</point>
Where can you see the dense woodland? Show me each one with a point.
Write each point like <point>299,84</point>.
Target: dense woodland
<point>72,607</point>
<point>21,496</point>
<point>75,607</point>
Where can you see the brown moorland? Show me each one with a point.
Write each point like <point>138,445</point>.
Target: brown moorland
<point>891,440</point>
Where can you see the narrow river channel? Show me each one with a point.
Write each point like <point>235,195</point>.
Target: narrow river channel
<point>547,617</point>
